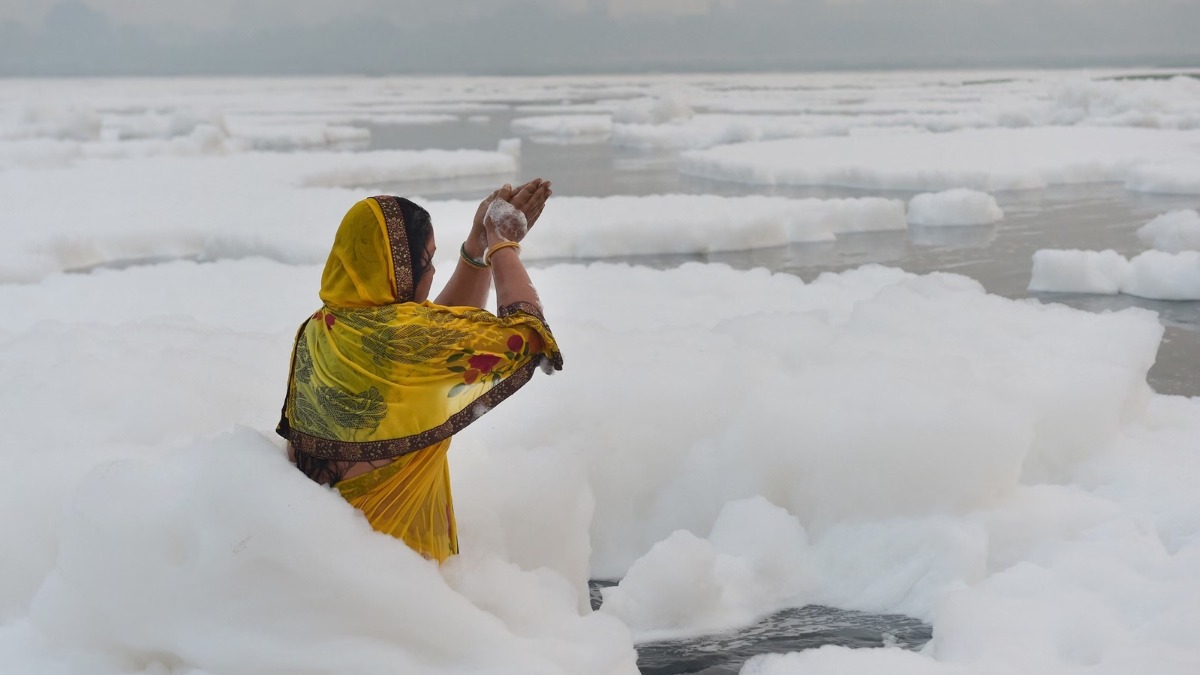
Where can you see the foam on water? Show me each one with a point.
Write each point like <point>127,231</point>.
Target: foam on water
<point>1173,232</point>
<point>953,207</point>
<point>982,159</point>
<point>1171,271</point>
<point>729,443</point>
<point>943,451</point>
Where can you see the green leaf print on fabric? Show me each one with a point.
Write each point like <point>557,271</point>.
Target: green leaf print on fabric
<point>309,420</point>
<point>352,411</point>
<point>409,344</point>
<point>367,318</point>
<point>304,361</point>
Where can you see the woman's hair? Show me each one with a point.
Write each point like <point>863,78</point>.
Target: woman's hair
<point>419,227</point>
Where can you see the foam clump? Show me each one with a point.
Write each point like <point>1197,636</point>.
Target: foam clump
<point>507,220</point>
<point>1164,276</point>
<point>65,122</point>
<point>755,559</point>
<point>1075,271</point>
<point>668,107</point>
<point>565,128</point>
<point>1156,275</point>
<point>1173,232</point>
<point>510,147</point>
<point>959,206</point>
<point>1179,177</point>
<point>175,562</point>
<point>375,168</point>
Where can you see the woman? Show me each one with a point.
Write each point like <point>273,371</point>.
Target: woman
<point>381,378</point>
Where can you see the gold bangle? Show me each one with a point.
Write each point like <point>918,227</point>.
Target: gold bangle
<point>473,262</point>
<point>487,257</point>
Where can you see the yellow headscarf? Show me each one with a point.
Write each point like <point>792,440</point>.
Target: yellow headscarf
<point>375,375</point>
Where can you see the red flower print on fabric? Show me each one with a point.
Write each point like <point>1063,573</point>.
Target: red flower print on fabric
<point>470,376</point>
<point>484,362</point>
<point>329,321</point>
<point>515,342</point>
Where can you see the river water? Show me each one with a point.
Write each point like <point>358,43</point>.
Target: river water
<point>1094,217</point>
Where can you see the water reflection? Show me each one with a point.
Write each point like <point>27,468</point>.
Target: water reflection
<point>970,236</point>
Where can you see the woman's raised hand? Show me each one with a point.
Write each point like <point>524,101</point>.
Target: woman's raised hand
<point>531,198</point>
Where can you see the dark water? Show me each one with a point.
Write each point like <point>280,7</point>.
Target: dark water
<point>789,630</point>
<point>1096,216</point>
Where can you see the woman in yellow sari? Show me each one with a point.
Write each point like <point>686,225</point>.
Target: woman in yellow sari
<point>381,378</point>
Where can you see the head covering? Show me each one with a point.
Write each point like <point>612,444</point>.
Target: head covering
<point>370,264</point>
<point>375,375</point>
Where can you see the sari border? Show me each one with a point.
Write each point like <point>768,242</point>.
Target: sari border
<point>393,223</point>
<point>523,307</point>
<point>359,451</point>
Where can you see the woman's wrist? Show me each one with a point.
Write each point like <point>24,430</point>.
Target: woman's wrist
<point>498,247</point>
<point>474,261</point>
<point>476,244</point>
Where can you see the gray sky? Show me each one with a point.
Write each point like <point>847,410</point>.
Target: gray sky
<point>547,36</point>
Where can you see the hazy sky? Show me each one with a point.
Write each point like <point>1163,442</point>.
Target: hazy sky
<point>540,36</point>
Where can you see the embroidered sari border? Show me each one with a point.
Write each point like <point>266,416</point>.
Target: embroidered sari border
<point>393,222</point>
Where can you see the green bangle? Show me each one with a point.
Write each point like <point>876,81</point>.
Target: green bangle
<point>477,264</point>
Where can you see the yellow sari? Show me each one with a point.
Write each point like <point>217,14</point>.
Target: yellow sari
<point>376,376</point>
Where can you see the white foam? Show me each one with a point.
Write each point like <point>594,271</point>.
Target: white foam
<point>688,224</point>
<point>1153,274</point>
<point>209,206</point>
<point>756,558</point>
<point>954,207</point>
<point>507,220</point>
<point>668,106</point>
<point>957,456</point>
<point>985,159</point>
<point>1077,271</point>
<point>1172,232</point>
<point>377,168</point>
<point>944,452</point>
<point>1164,276</point>
<point>268,207</point>
<point>871,440</point>
<point>1179,177</point>
<point>510,147</point>
<point>565,128</point>
<point>67,122</point>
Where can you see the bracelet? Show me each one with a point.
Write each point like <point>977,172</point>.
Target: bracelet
<point>477,264</point>
<point>487,257</point>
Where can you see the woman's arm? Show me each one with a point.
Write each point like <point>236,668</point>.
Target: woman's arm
<point>505,224</point>
<point>468,285</point>
<point>512,281</point>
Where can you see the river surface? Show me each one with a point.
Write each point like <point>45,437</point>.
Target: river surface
<point>1092,217</point>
